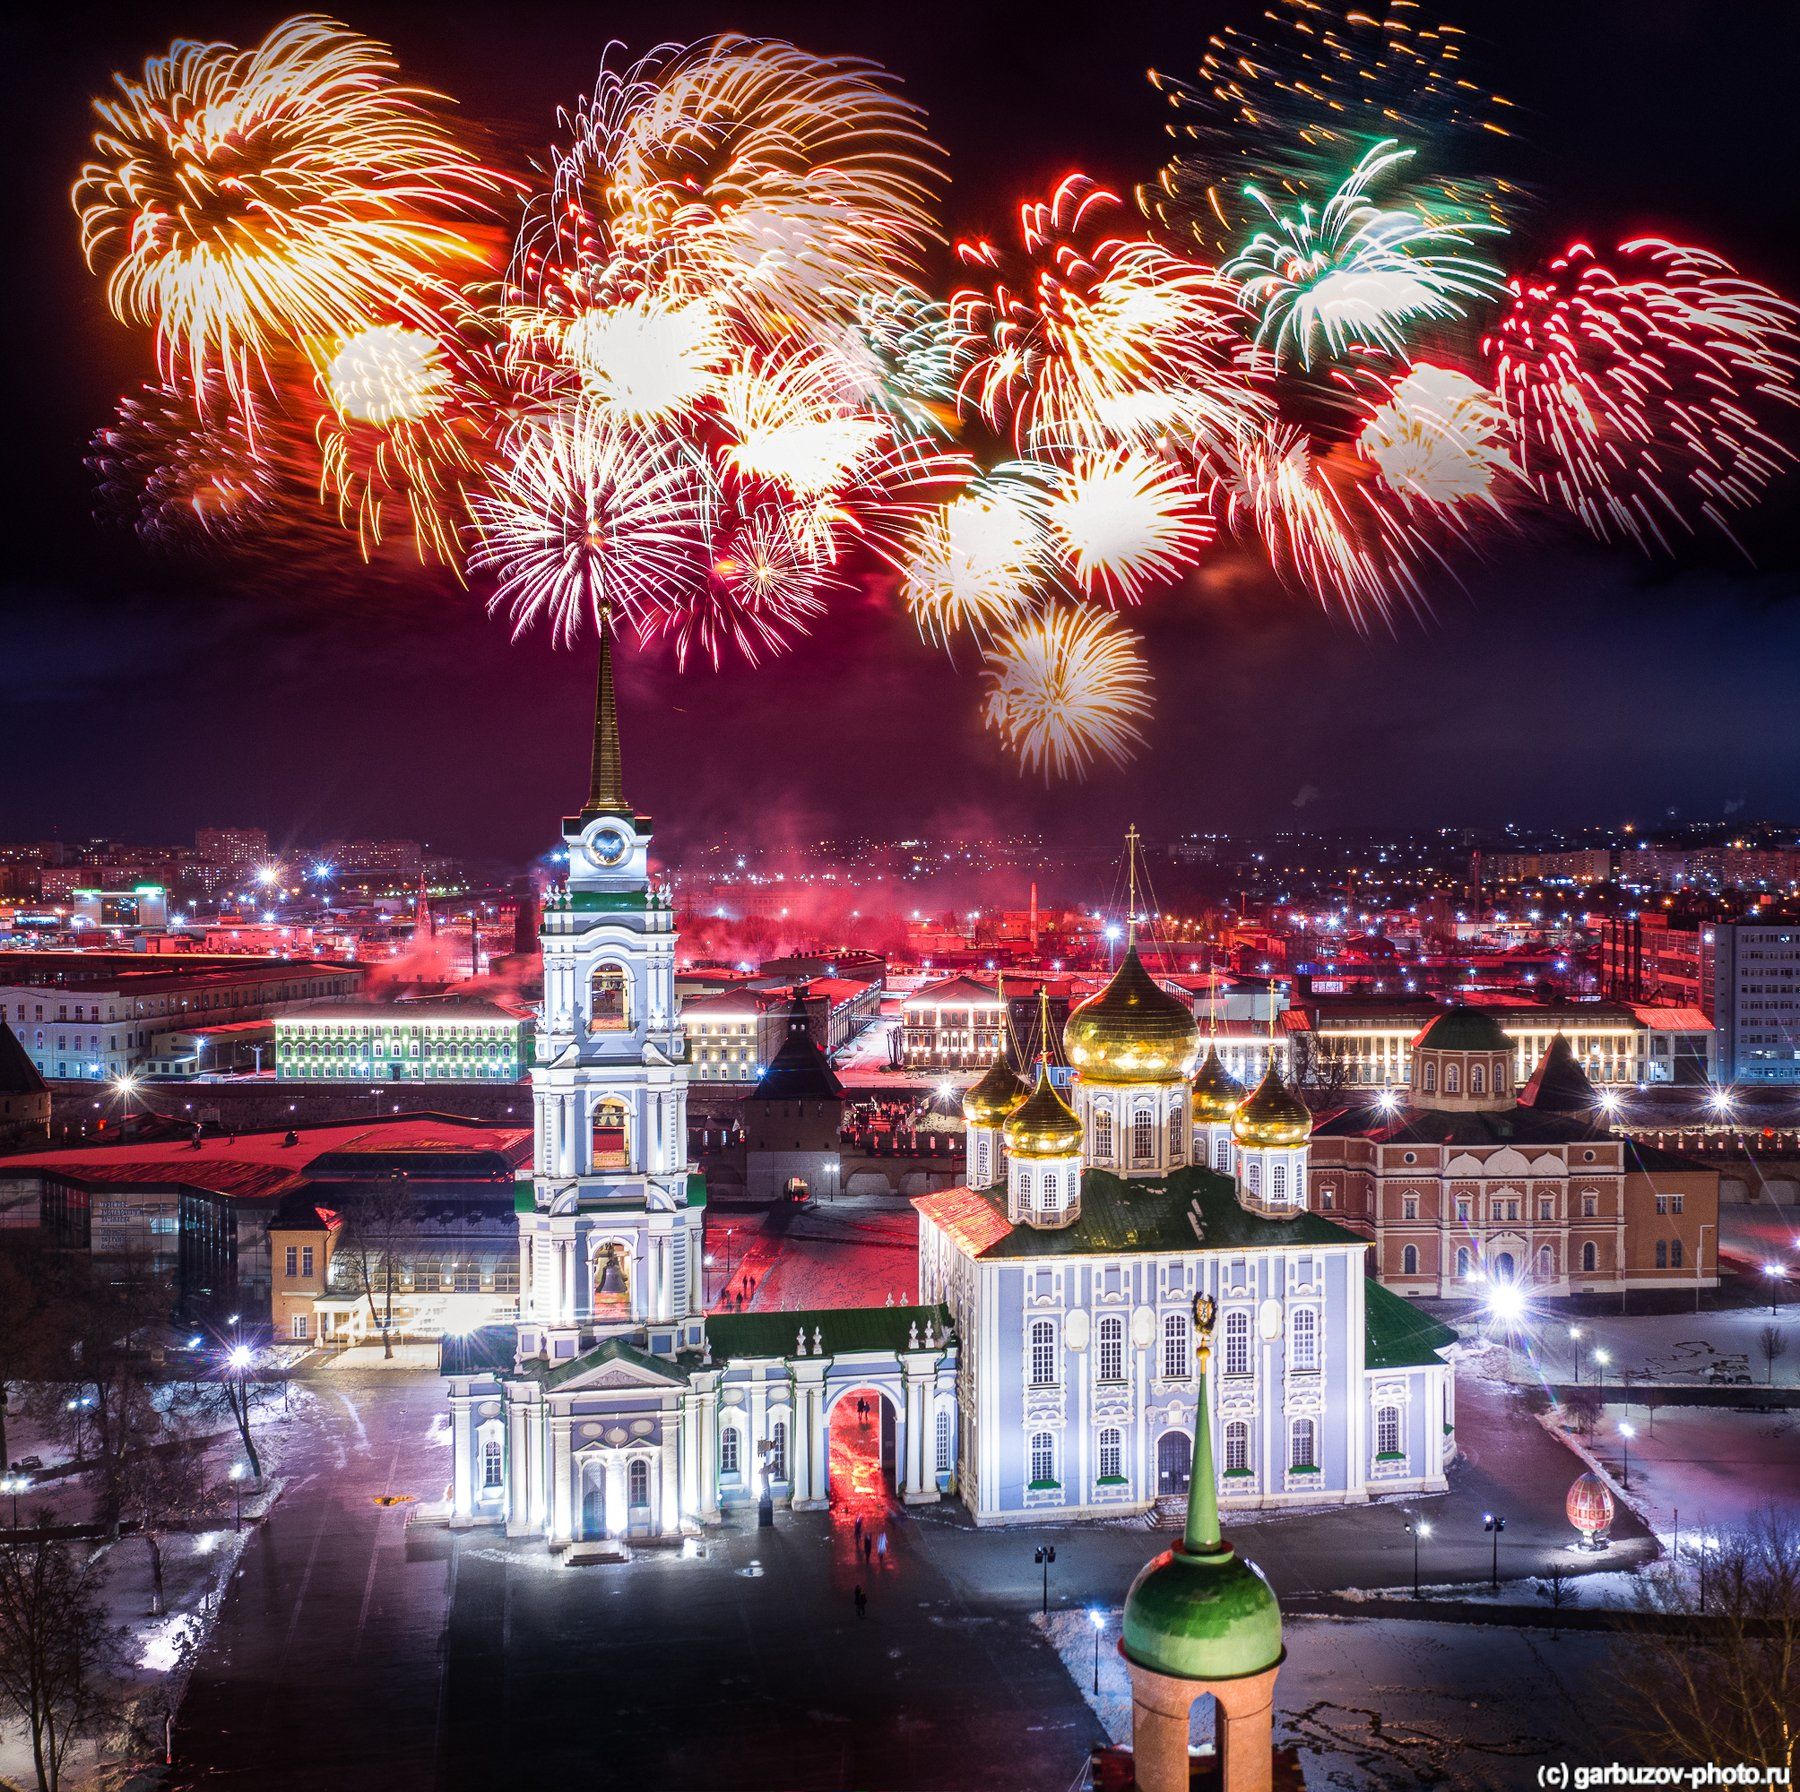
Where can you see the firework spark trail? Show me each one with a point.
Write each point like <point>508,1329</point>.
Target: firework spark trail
<point>244,201</point>
<point>1066,688</point>
<point>1438,437</point>
<point>1126,520</point>
<point>1646,395</point>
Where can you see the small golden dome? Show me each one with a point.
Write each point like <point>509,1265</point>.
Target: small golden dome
<point>1133,1031</point>
<point>1044,1125</point>
<point>1000,1090</point>
<point>1217,1093</point>
<point>1272,1114</point>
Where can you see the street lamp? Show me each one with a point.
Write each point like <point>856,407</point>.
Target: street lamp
<point>1700,1259</point>
<point>15,1485</point>
<point>1495,1524</point>
<point>1627,1431</point>
<point>78,1407</point>
<point>1575,1344</point>
<point>235,1474</point>
<point>1601,1359</point>
<point>1044,1555</point>
<point>1097,1618</point>
<point>1418,1527</point>
<point>1775,1272</point>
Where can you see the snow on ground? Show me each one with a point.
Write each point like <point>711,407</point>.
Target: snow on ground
<point>1660,1347</point>
<point>1391,1705</point>
<point>369,1356</point>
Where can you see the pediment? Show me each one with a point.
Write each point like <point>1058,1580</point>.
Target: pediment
<point>618,1372</point>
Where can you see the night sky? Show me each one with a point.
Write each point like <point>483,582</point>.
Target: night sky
<point>1561,683</point>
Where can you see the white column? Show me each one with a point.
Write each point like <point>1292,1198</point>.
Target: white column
<point>462,1503</point>
<point>668,1480</point>
<point>561,1521</point>
<point>517,1458</point>
<point>707,1422</point>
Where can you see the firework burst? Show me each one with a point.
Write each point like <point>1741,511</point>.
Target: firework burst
<point>1067,688</point>
<point>977,562</point>
<point>1438,437</point>
<point>1126,520</point>
<point>244,201</point>
<point>1646,395</point>
<point>1321,282</point>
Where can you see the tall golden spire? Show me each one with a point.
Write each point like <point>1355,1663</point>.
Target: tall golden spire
<point>606,769</point>
<point>1131,852</point>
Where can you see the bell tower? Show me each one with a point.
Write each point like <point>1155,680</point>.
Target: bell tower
<point>609,1244</point>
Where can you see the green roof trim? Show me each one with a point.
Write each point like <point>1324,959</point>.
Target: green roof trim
<point>524,1195</point>
<point>1119,1217</point>
<point>696,1188</point>
<point>604,902</point>
<point>1464,1029</point>
<point>1399,1335</point>
<point>841,1330</point>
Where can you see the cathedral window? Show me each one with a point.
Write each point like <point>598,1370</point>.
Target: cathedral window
<point>1043,1459</point>
<point>1237,1343</point>
<point>1462,1263</point>
<point>490,1463</point>
<point>1222,1153</point>
<point>728,1450</point>
<point>1431,1079</point>
<point>1111,1355</point>
<point>1305,1344</point>
<point>943,1442</point>
<point>1675,1253</point>
<point>1253,1173</point>
<point>1175,1347</point>
<point>1662,1253</point>
<point>1303,1446</point>
<point>1103,1145</point>
<point>981,1162</point>
<point>1409,1260</point>
<point>1043,1354</point>
<point>1452,1079</point>
<point>1048,1200</point>
<point>1112,1454</point>
<point>1546,1264</point>
<point>1278,1182</point>
<point>1143,1137</point>
<point>609,999</point>
<point>777,1456</point>
<point>1174,1134</point>
<point>1589,1257</point>
<point>1409,1207</point>
<point>1477,1080</point>
<point>1237,1448</point>
<point>637,1483</point>
<point>1387,1431</point>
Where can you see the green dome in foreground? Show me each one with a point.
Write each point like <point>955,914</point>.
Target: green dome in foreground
<point>1202,1616</point>
<point>1199,1611</point>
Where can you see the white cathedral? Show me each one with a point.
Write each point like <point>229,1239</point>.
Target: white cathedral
<point>1048,1371</point>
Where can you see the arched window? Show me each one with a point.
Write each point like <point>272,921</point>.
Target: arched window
<point>1237,1342</point>
<point>728,1450</point>
<point>1043,1353</point>
<point>1237,1447</point>
<point>1048,1198</point>
<point>1253,1172</point>
<point>1409,1260</point>
<point>1662,1253</point>
<point>1304,1347</point>
<point>1174,1134</point>
<point>1103,1146</point>
<point>1222,1153</point>
<point>1175,1347</point>
<point>1675,1253</point>
<point>1143,1137</point>
<point>1546,1264</point>
<point>1043,1459</point>
<point>1111,1454</point>
<point>1110,1359</point>
<point>1477,1080</point>
<point>981,1160</point>
<point>1387,1431</point>
<point>1024,1177</point>
<point>491,1463</point>
<point>637,1483</point>
<point>778,1450</point>
<point>1302,1448</point>
<point>609,999</point>
<point>1452,1079</point>
<point>1430,1076</point>
<point>944,1441</point>
<point>1502,1079</point>
<point>1590,1257</point>
<point>1278,1181</point>
<point>1462,1263</point>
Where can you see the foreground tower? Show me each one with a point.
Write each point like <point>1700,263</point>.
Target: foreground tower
<point>1200,1619</point>
<point>609,1244</point>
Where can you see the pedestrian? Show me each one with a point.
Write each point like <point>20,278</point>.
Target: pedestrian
<point>868,1548</point>
<point>862,1603</point>
<point>859,1530</point>
<point>881,1548</point>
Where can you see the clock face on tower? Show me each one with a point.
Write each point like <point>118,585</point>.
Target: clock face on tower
<point>609,847</point>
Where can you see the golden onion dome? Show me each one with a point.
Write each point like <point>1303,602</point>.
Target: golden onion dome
<point>1043,1125</point>
<point>1000,1090</point>
<point>1133,1031</point>
<point>1217,1093</point>
<point>1272,1114</point>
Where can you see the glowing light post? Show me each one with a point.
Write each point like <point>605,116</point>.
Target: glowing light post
<point>1097,1618</point>
<point>1418,1527</point>
<point>1601,1359</point>
<point>235,1474</point>
<point>1494,1524</point>
<point>1044,1556</point>
<point>79,1407</point>
<point>1775,1272</point>
<point>1627,1431</point>
<point>1700,1259</point>
<point>1575,1346</point>
<point>15,1485</point>
<point>238,1361</point>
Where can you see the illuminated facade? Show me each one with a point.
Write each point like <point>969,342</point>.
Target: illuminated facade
<point>447,1041</point>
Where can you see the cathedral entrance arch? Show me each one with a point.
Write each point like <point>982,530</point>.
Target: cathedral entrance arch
<point>862,1440</point>
<point>1174,1459</point>
<point>593,1499</point>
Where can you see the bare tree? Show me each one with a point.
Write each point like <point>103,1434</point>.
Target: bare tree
<point>1557,1585</point>
<point>24,1292</point>
<point>1583,1408</point>
<point>1715,1675</point>
<point>375,1230</point>
<point>166,1483</point>
<point>1319,1071</point>
<point>1772,1342</point>
<point>56,1650</point>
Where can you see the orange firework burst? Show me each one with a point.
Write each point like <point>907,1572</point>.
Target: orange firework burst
<point>244,202</point>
